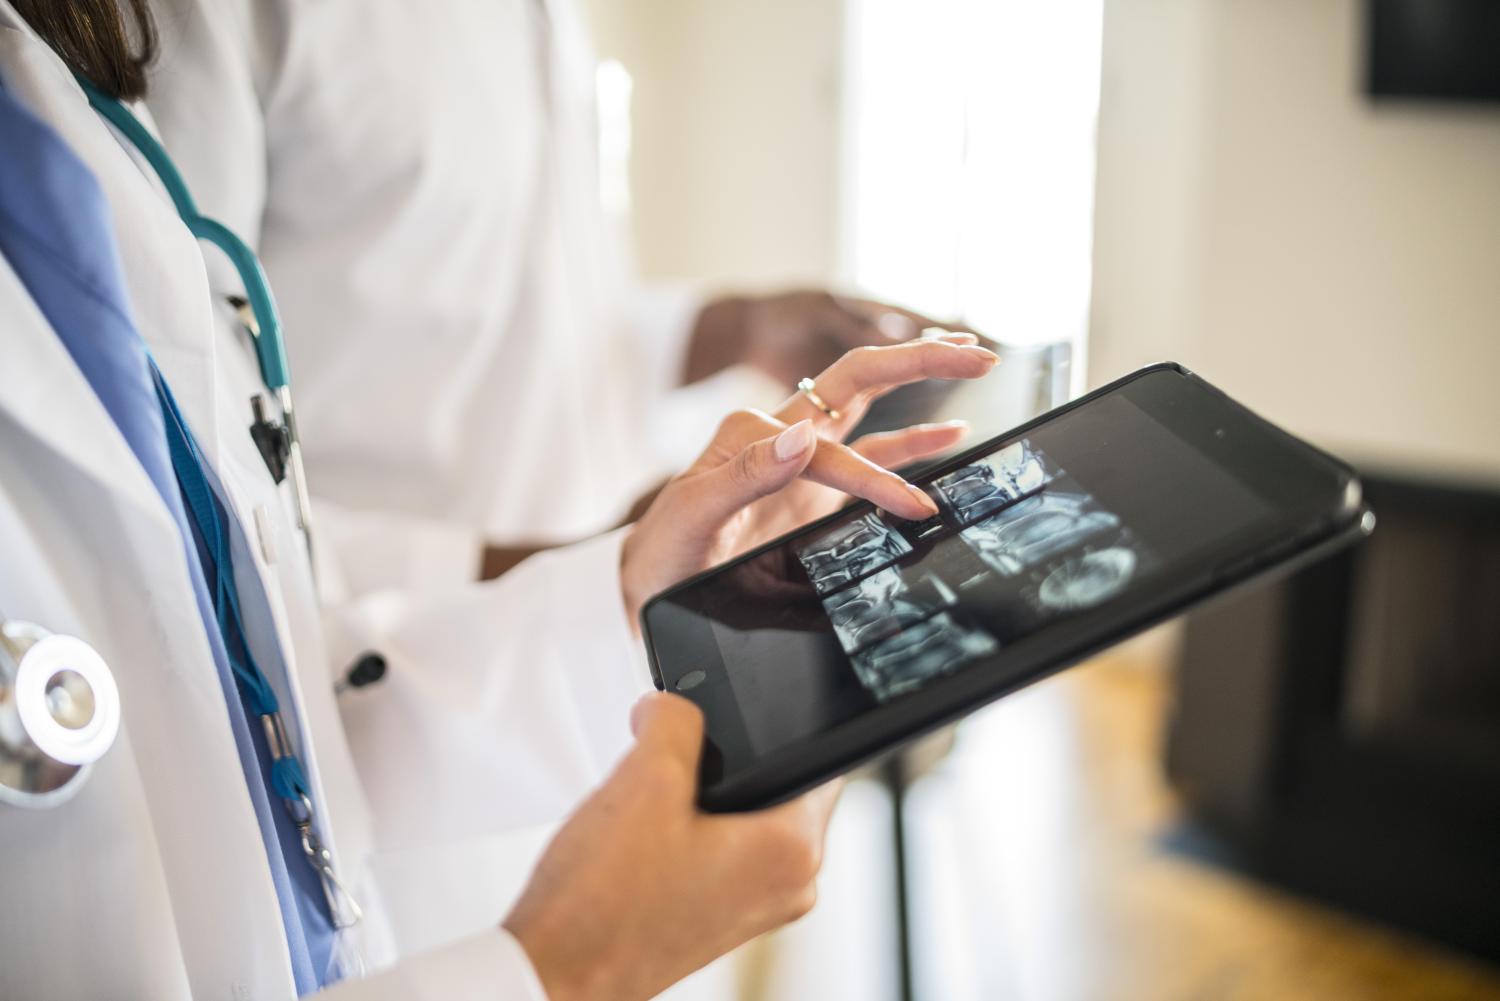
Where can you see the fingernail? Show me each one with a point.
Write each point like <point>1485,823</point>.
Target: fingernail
<point>896,327</point>
<point>979,352</point>
<point>921,497</point>
<point>951,336</point>
<point>949,424</point>
<point>794,441</point>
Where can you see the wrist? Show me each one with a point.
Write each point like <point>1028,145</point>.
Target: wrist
<point>718,339</point>
<point>561,979</point>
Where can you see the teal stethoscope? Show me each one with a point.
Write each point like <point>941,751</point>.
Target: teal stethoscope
<point>59,705</point>
<point>279,446</point>
<point>278,442</point>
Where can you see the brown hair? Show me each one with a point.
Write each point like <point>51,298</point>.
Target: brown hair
<point>94,39</point>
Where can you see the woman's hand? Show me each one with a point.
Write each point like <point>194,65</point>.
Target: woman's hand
<point>639,889</point>
<point>792,334</point>
<point>764,475</point>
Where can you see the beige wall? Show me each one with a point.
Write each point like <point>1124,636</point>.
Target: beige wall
<point>1335,264</point>
<point>735,120</point>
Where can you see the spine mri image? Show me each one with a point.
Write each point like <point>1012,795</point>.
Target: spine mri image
<point>1016,543</point>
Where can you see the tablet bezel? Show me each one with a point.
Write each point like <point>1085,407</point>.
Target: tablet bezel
<point>1300,533</point>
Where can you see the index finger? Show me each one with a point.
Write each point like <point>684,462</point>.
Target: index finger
<point>850,384</point>
<point>836,465</point>
<point>833,464</point>
<point>919,320</point>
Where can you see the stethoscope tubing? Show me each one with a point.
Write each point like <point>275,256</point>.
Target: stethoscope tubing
<point>265,325</point>
<point>270,346</point>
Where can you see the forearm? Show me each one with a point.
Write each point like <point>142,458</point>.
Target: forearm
<point>518,687</point>
<point>497,560</point>
<point>717,340</point>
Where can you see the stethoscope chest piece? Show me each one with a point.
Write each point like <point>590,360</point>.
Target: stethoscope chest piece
<point>59,713</point>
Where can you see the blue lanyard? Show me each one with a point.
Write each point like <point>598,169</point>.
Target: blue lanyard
<point>287,776</point>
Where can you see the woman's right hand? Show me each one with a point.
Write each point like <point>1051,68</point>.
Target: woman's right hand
<point>766,474</point>
<point>639,888</point>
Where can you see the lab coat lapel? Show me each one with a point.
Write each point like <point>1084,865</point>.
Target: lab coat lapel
<point>161,258</point>
<point>117,553</point>
<point>33,388</point>
<point>175,314</point>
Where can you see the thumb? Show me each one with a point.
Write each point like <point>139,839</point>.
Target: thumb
<point>670,725</point>
<point>760,468</point>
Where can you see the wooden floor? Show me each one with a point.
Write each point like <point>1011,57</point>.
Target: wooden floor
<point>1041,873</point>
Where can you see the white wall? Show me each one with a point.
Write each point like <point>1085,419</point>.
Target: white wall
<point>736,134</point>
<point>1334,263</point>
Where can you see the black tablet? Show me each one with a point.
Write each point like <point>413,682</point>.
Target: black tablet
<point>1091,523</point>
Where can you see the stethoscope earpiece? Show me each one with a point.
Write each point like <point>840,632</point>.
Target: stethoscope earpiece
<point>59,713</point>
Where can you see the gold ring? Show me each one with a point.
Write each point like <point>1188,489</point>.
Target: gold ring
<point>808,389</point>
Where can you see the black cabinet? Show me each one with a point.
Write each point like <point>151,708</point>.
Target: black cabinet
<point>1338,731</point>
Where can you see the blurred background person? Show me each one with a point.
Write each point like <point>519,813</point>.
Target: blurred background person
<point>476,369</point>
<point>423,188</point>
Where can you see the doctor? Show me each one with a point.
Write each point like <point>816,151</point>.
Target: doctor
<point>422,184</point>
<point>166,876</point>
<point>473,364</point>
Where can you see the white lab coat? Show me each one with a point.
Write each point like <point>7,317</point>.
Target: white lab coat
<point>503,704</point>
<point>470,356</point>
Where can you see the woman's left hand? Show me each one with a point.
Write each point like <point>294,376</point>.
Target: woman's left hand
<point>764,475</point>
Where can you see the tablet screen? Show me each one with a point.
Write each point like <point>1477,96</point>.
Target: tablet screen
<point>868,609</point>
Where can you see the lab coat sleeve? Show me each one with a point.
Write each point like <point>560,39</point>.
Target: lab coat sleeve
<point>504,702</point>
<point>490,966</point>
